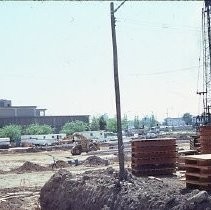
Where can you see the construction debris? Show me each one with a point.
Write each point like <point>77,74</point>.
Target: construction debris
<point>60,164</point>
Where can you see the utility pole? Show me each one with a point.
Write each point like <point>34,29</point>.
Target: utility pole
<point>117,94</point>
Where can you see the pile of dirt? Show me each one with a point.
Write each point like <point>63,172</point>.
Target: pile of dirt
<point>60,164</point>
<point>29,167</point>
<point>102,190</point>
<point>95,161</point>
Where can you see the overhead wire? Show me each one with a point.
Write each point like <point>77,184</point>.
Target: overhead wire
<point>157,25</point>
<point>166,72</point>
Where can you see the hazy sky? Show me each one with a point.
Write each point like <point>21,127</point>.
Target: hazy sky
<point>58,55</point>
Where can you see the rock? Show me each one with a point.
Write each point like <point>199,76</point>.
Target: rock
<point>199,198</point>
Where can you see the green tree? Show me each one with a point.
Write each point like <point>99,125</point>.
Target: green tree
<point>95,125</point>
<point>149,121</point>
<point>187,117</point>
<point>136,122</point>
<point>165,122</point>
<point>153,121</point>
<point>112,125</point>
<point>102,123</point>
<point>125,123</point>
<point>72,127</point>
<point>36,129</point>
<point>11,131</point>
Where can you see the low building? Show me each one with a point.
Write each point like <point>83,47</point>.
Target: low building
<point>170,121</point>
<point>26,115</point>
<point>7,110</point>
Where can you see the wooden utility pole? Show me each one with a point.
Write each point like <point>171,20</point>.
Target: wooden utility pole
<point>117,94</point>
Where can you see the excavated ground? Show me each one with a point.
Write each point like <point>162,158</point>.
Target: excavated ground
<point>102,190</point>
<point>22,175</point>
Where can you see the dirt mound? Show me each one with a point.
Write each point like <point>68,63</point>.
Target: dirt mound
<point>60,164</point>
<point>29,167</point>
<point>102,190</point>
<point>94,161</point>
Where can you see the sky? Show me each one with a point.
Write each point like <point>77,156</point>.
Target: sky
<point>58,56</point>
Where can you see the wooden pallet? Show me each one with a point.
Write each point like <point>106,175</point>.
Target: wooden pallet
<point>205,139</point>
<point>153,160</point>
<point>151,172</point>
<point>153,142</point>
<point>153,156</point>
<point>151,148</point>
<point>198,171</point>
<point>197,162</point>
<point>152,166</point>
<point>198,185</point>
<point>157,154</point>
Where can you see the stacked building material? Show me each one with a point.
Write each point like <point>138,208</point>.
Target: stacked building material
<point>181,158</point>
<point>195,143</point>
<point>205,139</point>
<point>153,156</point>
<point>198,171</point>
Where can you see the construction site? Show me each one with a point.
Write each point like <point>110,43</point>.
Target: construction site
<point>58,180</point>
<point>157,176</point>
<point>162,172</point>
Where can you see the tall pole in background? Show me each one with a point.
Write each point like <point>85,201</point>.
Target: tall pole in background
<point>117,94</point>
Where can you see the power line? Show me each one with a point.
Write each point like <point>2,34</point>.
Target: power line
<point>158,25</point>
<point>167,72</point>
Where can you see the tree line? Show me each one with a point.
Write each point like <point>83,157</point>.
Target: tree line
<point>102,122</point>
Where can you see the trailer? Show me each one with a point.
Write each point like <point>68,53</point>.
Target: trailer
<point>41,140</point>
<point>5,143</point>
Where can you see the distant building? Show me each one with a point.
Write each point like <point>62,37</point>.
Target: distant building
<point>26,115</point>
<point>169,121</point>
<point>7,110</point>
